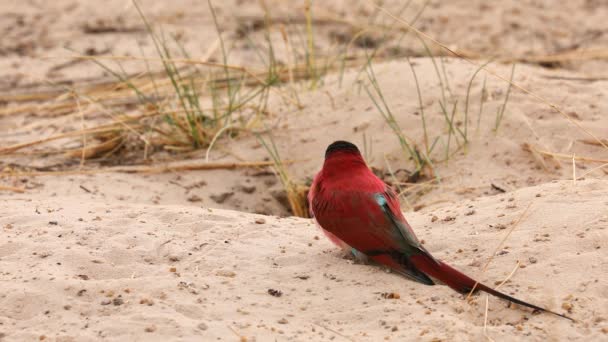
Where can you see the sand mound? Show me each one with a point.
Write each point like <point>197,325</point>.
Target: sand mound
<point>74,270</point>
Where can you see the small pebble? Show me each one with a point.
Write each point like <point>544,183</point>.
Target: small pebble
<point>275,293</point>
<point>146,301</point>
<point>390,295</point>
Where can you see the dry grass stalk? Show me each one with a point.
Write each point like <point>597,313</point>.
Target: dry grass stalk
<point>296,193</point>
<point>149,169</point>
<point>504,239</point>
<point>334,331</point>
<point>11,188</point>
<point>560,57</point>
<point>297,197</point>
<point>485,316</point>
<point>593,142</point>
<point>92,151</point>
<point>533,149</point>
<point>573,168</point>
<point>601,167</point>
<point>568,56</point>
<point>485,319</point>
<point>101,129</point>
<point>538,157</point>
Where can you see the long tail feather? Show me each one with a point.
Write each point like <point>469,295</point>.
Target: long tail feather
<point>463,283</point>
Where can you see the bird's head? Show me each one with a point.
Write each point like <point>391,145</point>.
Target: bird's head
<point>342,157</point>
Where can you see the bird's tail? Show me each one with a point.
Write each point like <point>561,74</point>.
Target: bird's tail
<point>463,283</point>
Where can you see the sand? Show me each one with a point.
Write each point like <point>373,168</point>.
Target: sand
<point>215,255</point>
<point>89,270</point>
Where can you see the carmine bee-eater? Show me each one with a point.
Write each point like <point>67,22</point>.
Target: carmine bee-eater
<point>360,213</point>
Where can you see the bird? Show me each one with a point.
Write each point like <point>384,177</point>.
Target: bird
<point>360,213</point>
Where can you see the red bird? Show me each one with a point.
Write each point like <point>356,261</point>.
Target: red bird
<point>360,213</point>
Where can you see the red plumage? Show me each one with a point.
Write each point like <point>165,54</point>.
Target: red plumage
<point>357,210</point>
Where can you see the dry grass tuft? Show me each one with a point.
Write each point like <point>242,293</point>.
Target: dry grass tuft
<point>296,192</point>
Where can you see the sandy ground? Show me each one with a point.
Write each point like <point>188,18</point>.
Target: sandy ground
<point>185,255</point>
<point>88,270</point>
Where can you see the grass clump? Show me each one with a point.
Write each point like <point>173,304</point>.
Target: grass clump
<point>411,151</point>
<point>457,133</point>
<point>296,192</point>
<point>176,118</point>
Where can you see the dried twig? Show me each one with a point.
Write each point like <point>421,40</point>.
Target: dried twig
<point>531,148</point>
<point>592,170</point>
<point>485,316</point>
<point>485,267</point>
<point>169,167</point>
<point>593,142</point>
<point>11,188</point>
<point>334,331</point>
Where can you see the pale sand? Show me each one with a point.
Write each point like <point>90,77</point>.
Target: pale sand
<point>84,271</point>
<point>136,228</point>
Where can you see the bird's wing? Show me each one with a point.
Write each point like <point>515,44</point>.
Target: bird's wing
<point>393,212</point>
<point>370,223</point>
